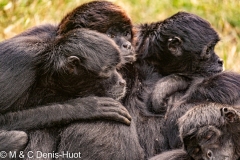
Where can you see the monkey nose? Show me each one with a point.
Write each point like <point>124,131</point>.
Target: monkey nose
<point>127,45</point>
<point>220,61</point>
<point>122,83</point>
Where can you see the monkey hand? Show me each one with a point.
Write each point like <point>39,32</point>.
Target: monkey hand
<point>166,87</point>
<point>103,108</point>
<point>159,102</point>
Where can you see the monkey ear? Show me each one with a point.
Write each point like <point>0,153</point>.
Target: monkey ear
<point>174,46</point>
<point>73,63</point>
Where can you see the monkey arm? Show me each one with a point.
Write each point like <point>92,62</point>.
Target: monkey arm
<point>89,108</point>
<point>164,88</point>
<point>222,88</point>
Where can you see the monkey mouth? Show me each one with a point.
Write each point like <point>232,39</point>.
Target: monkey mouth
<point>209,72</point>
<point>130,58</point>
<point>217,71</point>
<point>117,95</point>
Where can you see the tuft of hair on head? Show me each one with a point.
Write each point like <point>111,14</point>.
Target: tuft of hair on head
<point>95,15</point>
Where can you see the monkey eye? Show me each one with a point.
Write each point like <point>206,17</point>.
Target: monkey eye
<point>108,69</point>
<point>209,136</point>
<point>106,72</point>
<point>111,35</point>
<point>127,33</point>
<point>209,50</point>
<point>196,150</point>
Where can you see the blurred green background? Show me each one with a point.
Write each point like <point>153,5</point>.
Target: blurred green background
<point>224,15</point>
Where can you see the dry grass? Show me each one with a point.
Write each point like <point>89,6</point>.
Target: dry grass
<point>18,15</point>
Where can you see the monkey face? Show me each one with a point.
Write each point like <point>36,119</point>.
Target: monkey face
<point>183,43</point>
<point>211,136</point>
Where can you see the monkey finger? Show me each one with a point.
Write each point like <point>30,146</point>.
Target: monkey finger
<point>110,104</point>
<point>117,117</point>
<point>122,111</point>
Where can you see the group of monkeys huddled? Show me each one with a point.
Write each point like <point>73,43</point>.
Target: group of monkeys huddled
<point>97,84</point>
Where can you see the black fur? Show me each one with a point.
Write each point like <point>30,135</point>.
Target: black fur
<point>104,17</point>
<point>158,56</point>
<point>117,25</point>
<point>175,94</point>
<point>12,140</point>
<point>47,33</point>
<point>211,131</point>
<point>177,154</point>
<point>43,70</point>
<point>220,88</point>
<point>182,44</point>
<point>170,45</point>
<point>208,131</point>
